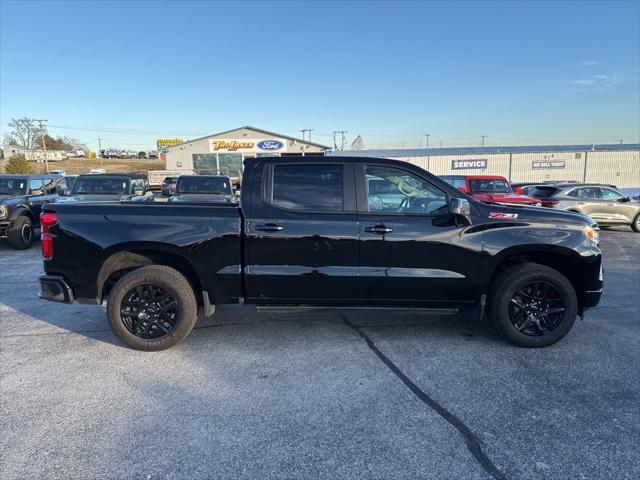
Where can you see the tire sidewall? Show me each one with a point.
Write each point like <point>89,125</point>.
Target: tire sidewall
<point>635,226</point>
<point>501,302</point>
<point>186,311</point>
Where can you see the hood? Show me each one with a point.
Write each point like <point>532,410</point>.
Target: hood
<point>202,198</point>
<point>513,213</point>
<point>89,198</point>
<point>6,199</point>
<point>505,198</point>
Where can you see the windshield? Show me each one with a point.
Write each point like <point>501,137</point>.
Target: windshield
<point>205,185</point>
<point>542,192</point>
<point>13,186</point>
<point>489,185</point>
<point>100,186</point>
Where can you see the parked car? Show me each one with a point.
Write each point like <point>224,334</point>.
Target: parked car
<point>58,171</point>
<point>109,187</point>
<point>308,232</point>
<point>153,154</point>
<point>21,199</point>
<point>112,153</point>
<point>489,188</point>
<point>604,203</point>
<point>203,188</point>
<point>94,171</point>
<point>524,188</point>
<point>169,186</point>
<point>142,154</point>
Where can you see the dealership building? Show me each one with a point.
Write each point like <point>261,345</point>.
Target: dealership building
<point>608,163</point>
<point>224,152</point>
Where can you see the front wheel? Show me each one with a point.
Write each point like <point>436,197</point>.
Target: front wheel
<point>20,235</point>
<point>532,305</point>
<point>152,308</point>
<point>635,226</point>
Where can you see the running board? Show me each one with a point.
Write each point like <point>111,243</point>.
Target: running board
<point>286,308</point>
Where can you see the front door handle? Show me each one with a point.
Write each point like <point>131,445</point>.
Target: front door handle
<point>378,229</point>
<point>269,227</point>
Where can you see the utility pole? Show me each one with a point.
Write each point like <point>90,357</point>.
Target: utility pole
<point>483,138</point>
<point>427,135</point>
<point>335,145</point>
<point>344,140</point>
<point>620,141</point>
<point>44,145</point>
<point>303,132</point>
<point>309,130</point>
<point>100,150</point>
<point>440,142</point>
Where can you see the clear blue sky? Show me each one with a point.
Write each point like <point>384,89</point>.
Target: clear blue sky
<point>520,73</point>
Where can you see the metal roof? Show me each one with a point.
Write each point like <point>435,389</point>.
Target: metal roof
<point>423,152</point>
<point>259,130</point>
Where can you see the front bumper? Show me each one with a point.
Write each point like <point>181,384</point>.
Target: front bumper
<point>4,226</point>
<point>55,289</point>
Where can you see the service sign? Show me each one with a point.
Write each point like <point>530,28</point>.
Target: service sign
<point>244,145</point>
<point>479,164</point>
<point>547,164</point>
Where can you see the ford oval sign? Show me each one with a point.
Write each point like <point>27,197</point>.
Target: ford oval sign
<point>270,145</point>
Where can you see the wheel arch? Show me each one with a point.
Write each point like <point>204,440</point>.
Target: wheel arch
<point>565,260</point>
<point>122,260</point>
<point>24,211</point>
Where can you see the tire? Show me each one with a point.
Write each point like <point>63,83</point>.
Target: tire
<point>509,292</point>
<point>20,235</point>
<point>635,226</point>
<point>139,327</point>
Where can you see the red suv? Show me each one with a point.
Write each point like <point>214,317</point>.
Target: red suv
<point>489,188</point>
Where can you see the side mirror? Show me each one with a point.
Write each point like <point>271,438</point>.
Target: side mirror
<point>35,191</point>
<point>62,191</point>
<point>463,189</point>
<point>625,199</point>
<point>460,207</point>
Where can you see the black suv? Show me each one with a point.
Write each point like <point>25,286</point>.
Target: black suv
<point>21,198</point>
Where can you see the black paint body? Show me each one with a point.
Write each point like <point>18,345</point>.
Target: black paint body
<point>259,253</point>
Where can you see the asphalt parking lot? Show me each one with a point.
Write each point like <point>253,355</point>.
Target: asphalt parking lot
<point>319,393</point>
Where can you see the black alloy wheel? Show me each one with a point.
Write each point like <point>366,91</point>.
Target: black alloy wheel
<point>149,311</point>
<point>537,308</point>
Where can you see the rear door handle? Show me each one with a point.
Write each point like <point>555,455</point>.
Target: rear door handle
<point>378,229</point>
<point>269,227</point>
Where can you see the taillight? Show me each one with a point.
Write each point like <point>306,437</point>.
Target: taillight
<point>550,203</point>
<point>47,220</point>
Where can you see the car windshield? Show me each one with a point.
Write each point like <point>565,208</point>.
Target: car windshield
<point>205,185</point>
<point>100,186</point>
<point>542,192</point>
<point>490,185</point>
<point>13,186</point>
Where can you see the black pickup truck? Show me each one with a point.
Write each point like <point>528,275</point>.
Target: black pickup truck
<point>339,231</point>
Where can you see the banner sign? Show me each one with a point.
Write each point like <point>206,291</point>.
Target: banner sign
<point>162,143</point>
<point>546,164</point>
<point>480,164</point>
<point>243,145</point>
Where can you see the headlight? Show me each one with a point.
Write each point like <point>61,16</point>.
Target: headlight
<point>592,232</point>
<point>3,211</point>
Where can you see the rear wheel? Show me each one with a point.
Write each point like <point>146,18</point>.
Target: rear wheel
<point>20,235</point>
<point>635,226</point>
<point>532,305</point>
<point>152,308</point>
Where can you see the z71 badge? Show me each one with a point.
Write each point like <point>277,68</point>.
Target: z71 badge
<point>510,216</point>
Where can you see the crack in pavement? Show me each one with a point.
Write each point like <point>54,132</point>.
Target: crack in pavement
<point>472,441</point>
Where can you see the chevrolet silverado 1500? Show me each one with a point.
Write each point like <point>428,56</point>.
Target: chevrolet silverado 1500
<point>324,231</point>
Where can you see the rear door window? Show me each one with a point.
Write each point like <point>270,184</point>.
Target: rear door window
<point>35,186</point>
<point>308,187</point>
<point>585,193</point>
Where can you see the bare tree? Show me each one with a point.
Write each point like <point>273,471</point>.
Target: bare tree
<point>24,133</point>
<point>358,143</point>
